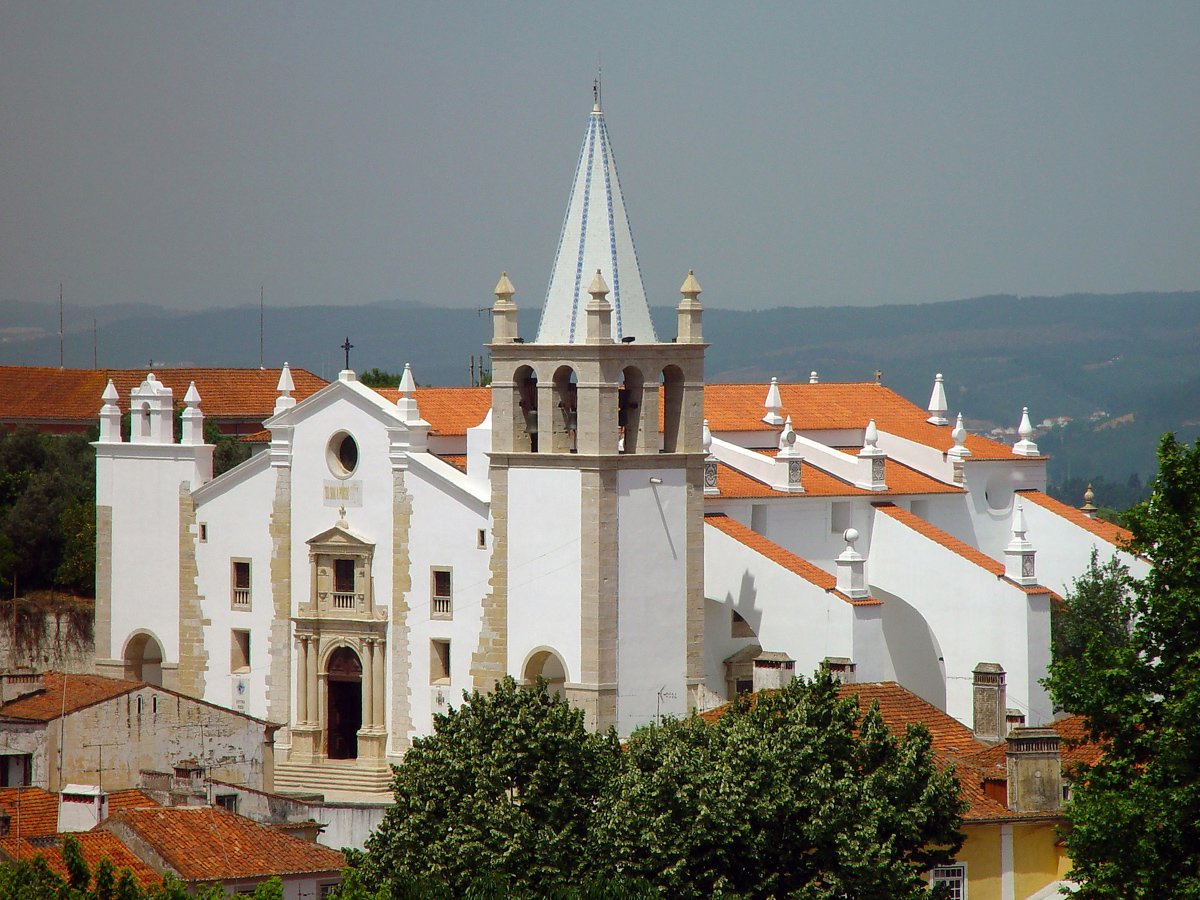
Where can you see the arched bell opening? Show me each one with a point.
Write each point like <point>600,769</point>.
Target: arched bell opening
<point>566,411</point>
<point>629,409</point>
<point>525,410</point>
<point>672,383</point>
<point>549,665</point>
<point>343,689</point>
<point>143,659</point>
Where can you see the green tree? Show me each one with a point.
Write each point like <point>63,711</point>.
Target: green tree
<point>505,786</point>
<point>795,795</point>
<point>379,378</point>
<point>1133,673</point>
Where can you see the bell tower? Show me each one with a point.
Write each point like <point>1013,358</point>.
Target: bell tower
<point>597,477</point>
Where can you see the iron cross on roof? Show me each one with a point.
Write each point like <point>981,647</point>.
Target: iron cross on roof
<point>347,346</point>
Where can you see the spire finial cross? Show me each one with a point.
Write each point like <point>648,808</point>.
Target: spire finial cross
<point>347,346</point>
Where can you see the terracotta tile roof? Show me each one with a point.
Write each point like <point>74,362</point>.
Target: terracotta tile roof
<point>35,811</point>
<point>785,558</point>
<point>96,845</point>
<point>205,843</point>
<point>1114,534</point>
<point>81,691</point>
<point>1076,746</point>
<point>901,479</point>
<point>34,394</point>
<point>832,405</point>
<point>458,460</point>
<point>450,410</point>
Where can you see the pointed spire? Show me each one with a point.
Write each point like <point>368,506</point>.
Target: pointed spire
<point>812,377</point>
<point>599,312</point>
<point>959,434</point>
<point>110,415</point>
<point>406,403</point>
<point>773,403</point>
<point>285,400</point>
<point>1089,508</point>
<point>193,419</point>
<point>1019,554</point>
<point>504,312</point>
<point>937,403</point>
<point>595,234</point>
<point>1025,447</point>
<point>689,312</point>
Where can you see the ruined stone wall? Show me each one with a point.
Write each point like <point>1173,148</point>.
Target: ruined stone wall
<point>41,639</point>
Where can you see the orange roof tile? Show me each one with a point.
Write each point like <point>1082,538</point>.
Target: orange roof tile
<point>785,558</point>
<point>458,460</point>
<point>450,410</point>
<point>81,691</point>
<point>953,544</point>
<point>1114,534</point>
<point>833,405</point>
<point>204,843</point>
<point>33,811</point>
<point>40,394</point>
<point>96,845</point>
<point>901,479</point>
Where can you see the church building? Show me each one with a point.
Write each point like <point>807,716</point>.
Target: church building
<point>600,517</point>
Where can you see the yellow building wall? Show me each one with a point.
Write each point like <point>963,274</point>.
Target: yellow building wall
<point>981,854</point>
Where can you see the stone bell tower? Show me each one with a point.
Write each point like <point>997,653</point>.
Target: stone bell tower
<point>597,566</point>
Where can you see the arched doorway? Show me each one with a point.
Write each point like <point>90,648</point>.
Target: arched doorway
<point>143,659</point>
<point>547,664</point>
<point>343,675</point>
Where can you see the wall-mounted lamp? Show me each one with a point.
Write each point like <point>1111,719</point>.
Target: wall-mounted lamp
<point>654,479</point>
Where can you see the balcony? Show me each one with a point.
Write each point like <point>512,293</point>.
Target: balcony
<point>241,598</point>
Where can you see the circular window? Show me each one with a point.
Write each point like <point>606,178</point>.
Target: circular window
<point>342,455</point>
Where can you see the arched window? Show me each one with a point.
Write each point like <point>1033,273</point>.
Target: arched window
<point>143,659</point>
<point>629,409</point>
<point>566,412</point>
<point>525,410</point>
<point>672,381</point>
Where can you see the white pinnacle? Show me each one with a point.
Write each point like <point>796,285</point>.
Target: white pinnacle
<point>773,404</point>
<point>937,403</point>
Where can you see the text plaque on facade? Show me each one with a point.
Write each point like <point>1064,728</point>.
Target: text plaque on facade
<point>343,493</point>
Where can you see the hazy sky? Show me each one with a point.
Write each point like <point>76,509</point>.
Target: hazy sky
<point>793,154</point>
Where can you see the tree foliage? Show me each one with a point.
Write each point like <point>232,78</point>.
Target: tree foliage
<point>1129,662</point>
<point>796,795</point>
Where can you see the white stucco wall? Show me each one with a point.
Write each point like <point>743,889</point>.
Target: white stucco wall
<point>544,566</point>
<point>651,614</point>
<point>1068,549</point>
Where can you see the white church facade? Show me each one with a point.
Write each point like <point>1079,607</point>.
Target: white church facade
<point>600,516</point>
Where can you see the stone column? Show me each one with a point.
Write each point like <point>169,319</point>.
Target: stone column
<point>380,690</point>
<point>314,699</point>
<point>368,683</point>
<point>302,684</point>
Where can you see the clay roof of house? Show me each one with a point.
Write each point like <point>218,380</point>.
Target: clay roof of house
<point>205,843</point>
<point>458,460</point>
<point>901,479</point>
<point>449,410</point>
<point>37,393</point>
<point>34,810</point>
<point>952,742</point>
<point>1114,534</point>
<point>1076,746</point>
<point>96,845</point>
<point>833,405</point>
<point>785,558</point>
<point>81,691</point>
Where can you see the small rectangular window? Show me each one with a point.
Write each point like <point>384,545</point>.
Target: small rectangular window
<point>239,650</point>
<point>439,662</point>
<point>954,877</point>
<point>839,516</point>
<point>481,539</point>
<point>239,578</point>
<point>227,802</point>
<point>343,576</point>
<point>203,531</point>
<point>16,769</point>
<point>441,594</point>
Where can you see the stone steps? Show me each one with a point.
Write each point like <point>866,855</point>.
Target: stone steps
<point>332,775</point>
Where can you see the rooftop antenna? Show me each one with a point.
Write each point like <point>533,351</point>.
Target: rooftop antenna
<point>261,295</point>
<point>598,84</point>
<point>60,325</point>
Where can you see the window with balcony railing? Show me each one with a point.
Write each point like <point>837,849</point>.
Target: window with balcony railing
<point>240,584</point>
<point>343,584</point>
<point>441,594</point>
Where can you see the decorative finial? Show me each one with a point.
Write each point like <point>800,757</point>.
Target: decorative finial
<point>870,436</point>
<point>773,403</point>
<point>1089,508</point>
<point>879,376</point>
<point>690,289</point>
<point>504,289</point>
<point>192,397</point>
<point>286,385</point>
<point>959,434</point>
<point>598,288</point>
<point>407,383</point>
<point>813,378</point>
<point>347,347</point>
<point>706,439</point>
<point>937,403</point>
<point>1025,447</point>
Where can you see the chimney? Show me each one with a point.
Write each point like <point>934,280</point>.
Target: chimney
<point>773,671</point>
<point>18,684</point>
<point>1034,762</point>
<point>840,667</point>
<point>81,807</point>
<point>990,706</point>
<point>1015,719</point>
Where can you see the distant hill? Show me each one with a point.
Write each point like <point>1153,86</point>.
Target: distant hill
<point>1124,368</point>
